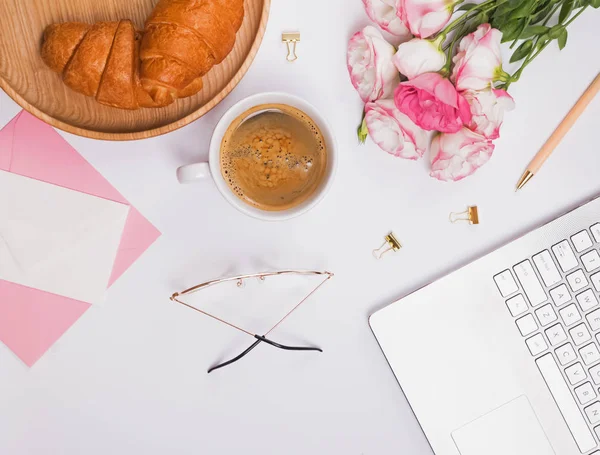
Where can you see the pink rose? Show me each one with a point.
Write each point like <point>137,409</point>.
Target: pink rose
<point>478,62</point>
<point>432,102</point>
<point>393,131</point>
<point>458,155</point>
<point>419,56</point>
<point>384,14</point>
<point>370,65</point>
<point>487,108</point>
<point>425,17</point>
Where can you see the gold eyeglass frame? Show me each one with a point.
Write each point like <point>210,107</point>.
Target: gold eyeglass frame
<point>239,279</point>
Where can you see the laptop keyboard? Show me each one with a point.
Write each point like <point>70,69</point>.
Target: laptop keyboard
<point>553,298</point>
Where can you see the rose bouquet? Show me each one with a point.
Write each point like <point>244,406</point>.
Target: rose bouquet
<point>444,88</point>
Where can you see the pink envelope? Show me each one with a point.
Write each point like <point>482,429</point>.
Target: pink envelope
<point>31,320</point>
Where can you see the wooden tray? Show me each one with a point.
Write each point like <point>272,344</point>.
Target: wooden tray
<point>30,83</point>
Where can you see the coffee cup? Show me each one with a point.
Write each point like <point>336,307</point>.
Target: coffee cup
<point>213,169</point>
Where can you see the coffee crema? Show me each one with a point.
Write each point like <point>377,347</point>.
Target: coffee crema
<point>273,157</point>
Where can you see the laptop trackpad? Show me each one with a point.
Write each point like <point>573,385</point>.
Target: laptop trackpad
<point>513,429</point>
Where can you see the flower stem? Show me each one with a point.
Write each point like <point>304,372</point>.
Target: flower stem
<point>575,16</point>
<point>514,43</point>
<point>463,22</point>
<point>450,50</point>
<point>484,6</point>
<point>515,77</point>
<point>552,13</point>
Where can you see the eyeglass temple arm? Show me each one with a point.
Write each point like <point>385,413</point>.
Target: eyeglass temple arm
<point>287,348</point>
<point>235,359</point>
<point>263,339</point>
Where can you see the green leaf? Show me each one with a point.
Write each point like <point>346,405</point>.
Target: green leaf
<point>594,3</point>
<point>522,51</point>
<point>541,6</point>
<point>565,10</point>
<point>467,6</point>
<point>519,33</point>
<point>562,39</point>
<point>468,27</point>
<point>556,31</point>
<point>542,15</point>
<point>497,21</point>
<point>481,18</point>
<point>505,9</point>
<point>541,42</point>
<point>511,30</point>
<point>534,30</point>
<point>524,10</point>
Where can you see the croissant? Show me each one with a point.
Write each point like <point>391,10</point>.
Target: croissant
<point>121,67</point>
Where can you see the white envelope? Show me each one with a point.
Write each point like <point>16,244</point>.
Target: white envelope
<point>57,240</point>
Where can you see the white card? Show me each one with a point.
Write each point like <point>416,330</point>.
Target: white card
<point>56,239</point>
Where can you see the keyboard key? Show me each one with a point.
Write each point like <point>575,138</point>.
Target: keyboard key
<point>595,374</point>
<point>596,231</point>
<point>531,285</point>
<point>506,283</point>
<point>566,354</point>
<point>597,431</point>
<point>547,269</point>
<point>577,280</point>
<point>587,300</point>
<point>570,314</point>
<point>585,393</point>
<point>591,261</point>
<point>556,334</point>
<point>536,344</point>
<point>596,281</point>
<point>594,320</point>
<point>566,403</point>
<point>527,325</point>
<point>575,374</point>
<point>560,295</point>
<point>546,315</point>
<point>565,256</point>
<point>590,354</point>
<point>517,305</point>
<point>581,241</point>
<point>593,413</point>
<point>580,334</point>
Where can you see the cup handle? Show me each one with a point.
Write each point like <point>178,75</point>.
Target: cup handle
<point>193,173</point>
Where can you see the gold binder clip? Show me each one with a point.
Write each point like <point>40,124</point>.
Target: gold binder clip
<point>291,38</point>
<point>391,244</point>
<point>471,215</point>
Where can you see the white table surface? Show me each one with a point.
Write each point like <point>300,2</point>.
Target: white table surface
<point>130,376</point>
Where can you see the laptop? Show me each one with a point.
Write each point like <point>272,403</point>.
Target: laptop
<point>502,357</point>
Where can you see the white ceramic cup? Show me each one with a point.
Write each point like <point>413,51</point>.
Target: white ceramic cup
<point>212,170</point>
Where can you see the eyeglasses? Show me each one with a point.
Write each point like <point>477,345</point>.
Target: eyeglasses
<point>259,338</point>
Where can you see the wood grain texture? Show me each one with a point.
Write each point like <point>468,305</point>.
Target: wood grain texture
<point>25,78</point>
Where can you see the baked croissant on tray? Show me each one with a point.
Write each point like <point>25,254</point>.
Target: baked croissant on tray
<point>124,68</point>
